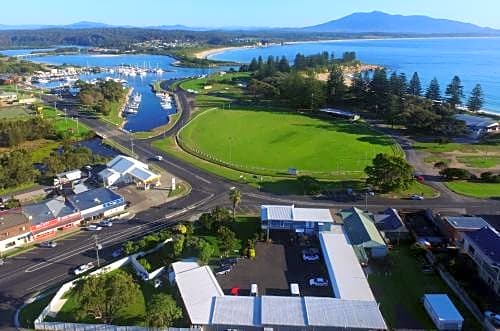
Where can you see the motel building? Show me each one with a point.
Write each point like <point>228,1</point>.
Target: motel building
<point>50,216</point>
<point>14,229</point>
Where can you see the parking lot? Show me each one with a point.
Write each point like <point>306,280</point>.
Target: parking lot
<point>277,265</point>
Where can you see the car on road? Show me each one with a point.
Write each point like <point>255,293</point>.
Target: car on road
<point>318,282</point>
<point>416,197</point>
<point>48,244</point>
<point>222,270</point>
<point>83,268</point>
<point>158,157</point>
<point>94,227</point>
<point>117,253</point>
<point>106,223</point>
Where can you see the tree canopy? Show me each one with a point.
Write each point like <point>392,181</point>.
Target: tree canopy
<point>476,99</point>
<point>455,92</point>
<point>389,173</point>
<point>162,311</point>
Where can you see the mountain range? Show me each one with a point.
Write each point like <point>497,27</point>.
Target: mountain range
<point>372,22</point>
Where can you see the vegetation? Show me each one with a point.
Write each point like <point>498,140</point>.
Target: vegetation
<point>69,157</point>
<point>16,169</point>
<point>476,99</point>
<point>162,311</point>
<point>12,65</point>
<point>389,173</point>
<point>455,92</point>
<point>235,198</point>
<point>15,132</point>
<point>475,189</point>
<point>103,296</point>
<point>102,97</point>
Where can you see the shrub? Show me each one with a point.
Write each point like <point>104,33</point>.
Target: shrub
<point>145,263</point>
<point>455,173</point>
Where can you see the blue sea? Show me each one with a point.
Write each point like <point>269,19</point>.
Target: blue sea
<point>475,60</point>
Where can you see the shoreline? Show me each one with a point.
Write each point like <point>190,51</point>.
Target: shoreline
<point>219,50</point>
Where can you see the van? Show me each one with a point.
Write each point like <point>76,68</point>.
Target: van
<point>294,289</point>
<point>254,290</point>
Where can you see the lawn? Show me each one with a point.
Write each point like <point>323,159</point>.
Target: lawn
<point>474,189</point>
<point>268,142</point>
<point>456,147</point>
<point>480,161</point>
<point>14,112</point>
<point>400,285</point>
<point>415,188</point>
<point>114,114</point>
<point>64,124</point>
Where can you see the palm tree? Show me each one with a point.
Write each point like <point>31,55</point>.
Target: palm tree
<point>235,197</point>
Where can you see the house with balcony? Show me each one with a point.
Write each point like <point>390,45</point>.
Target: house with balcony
<point>483,246</point>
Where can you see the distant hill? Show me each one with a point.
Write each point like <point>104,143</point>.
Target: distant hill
<point>379,22</point>
<point>77,25</point>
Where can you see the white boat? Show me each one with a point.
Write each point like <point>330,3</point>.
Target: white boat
<point>137,97</point>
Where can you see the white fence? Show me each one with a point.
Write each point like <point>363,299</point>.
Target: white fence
<point>57,301</point>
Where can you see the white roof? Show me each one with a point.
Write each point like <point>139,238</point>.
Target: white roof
<point>198,287</point>
<point>350,314</point>
<point>70,175</point>
<point>290,213</point>
<point>278,310</point>
<point>236,310</point>
<point>181,266</point>
<point>123,164</point>
<point>346,275</point>
<point>142,174</point>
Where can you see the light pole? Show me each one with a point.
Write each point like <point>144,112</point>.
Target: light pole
<point>97,248</point>
<point>230,150</point>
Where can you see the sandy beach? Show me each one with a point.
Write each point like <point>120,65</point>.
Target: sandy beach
<point>214,51</point>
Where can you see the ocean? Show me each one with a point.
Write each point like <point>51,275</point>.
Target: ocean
<point>474,60</point>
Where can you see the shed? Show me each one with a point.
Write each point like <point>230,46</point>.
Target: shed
<point>443,312</point>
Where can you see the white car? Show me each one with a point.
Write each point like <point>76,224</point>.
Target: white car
<point>158,157</point>
<point>310,257</point>
<point>83,268</point>
<point>416,197</point>
<point>48,244</point>
<point>318,282</point>
<point>106,223</point>
<point>94,227</point>
<point>157,283</point>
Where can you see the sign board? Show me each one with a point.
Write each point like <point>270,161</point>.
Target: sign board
<point>173,184</point>
<point>293,171</point>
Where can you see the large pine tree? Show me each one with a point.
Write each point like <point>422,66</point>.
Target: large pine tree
<point>455,92</point>
<point>415,87</point>
<point>476,99</point>
<point>335,85</point>
<point>433,91</point>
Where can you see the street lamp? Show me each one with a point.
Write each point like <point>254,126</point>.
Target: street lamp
<point>97,248</point>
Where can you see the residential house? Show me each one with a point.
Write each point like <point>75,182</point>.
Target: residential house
<point>391,225</point>
<point>454,227</point>
<point>479,125</point>
<point>483,246</point>
<point>14,229</point>
<point>363,234</point>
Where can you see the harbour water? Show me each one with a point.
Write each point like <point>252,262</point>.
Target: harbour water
<point>475,60</point>
<point>150,113</point>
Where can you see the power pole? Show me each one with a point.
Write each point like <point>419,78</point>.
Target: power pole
<point>97,248</point>
<point>132,143</point>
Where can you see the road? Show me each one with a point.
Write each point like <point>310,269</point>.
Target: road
<point>39,269</point>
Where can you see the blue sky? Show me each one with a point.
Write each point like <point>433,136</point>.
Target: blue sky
<point>213,13</point>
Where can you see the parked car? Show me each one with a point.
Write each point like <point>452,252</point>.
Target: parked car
<point>318,282</point>
<point>310,257</point>
<point>83,268</point>
<point>416,197</point>
<point>106,223</point>
<point>94,227</point>
<point>48,244</point>
<point>230,261</point>
<point>158,157</point>
<point>157,283</point>
<point>492,317</point>
<point>117,253</point>
<point>222,270</point>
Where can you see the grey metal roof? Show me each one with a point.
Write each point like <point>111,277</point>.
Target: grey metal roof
<point>48,210</point>
<point>476,121</point>
<point>465,222</point>
<point>12,218</point>
<point>291,213</point>
<point>277,310</point>
<point>488,241</point>
<point>232,310</point>
<point>349,314</point>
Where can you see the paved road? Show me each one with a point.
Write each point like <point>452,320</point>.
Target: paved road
<point>40,269</point>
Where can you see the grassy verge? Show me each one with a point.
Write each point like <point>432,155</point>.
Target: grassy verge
<point>172,120</point>
<point>119,147</point>
<point>415,188</point>
<point>456,147</point>
<point>482,162</point>
<point>31,311</point>
<point>180,190</point>
<point>400,285</point>
<point>475,190</point>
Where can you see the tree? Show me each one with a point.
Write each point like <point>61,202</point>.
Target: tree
<point>389,173</point>
<point>220,214</point>
<point>103,296</point>
<point>178,245</point>
<point>335,85</point>
<point>455,173</point>
<point>227,240</point>
<point>379,89</point>
<point>433,91</point>
<point>128,247</point>
<point>415,87</point>
<point>162,311</point>
<point>235,198</point>
<point>440,165</point>
<point>310,185</point>
<point>455,92</point>
<point>283,65</point>
<point>253,66</point>
<point>476,99</point>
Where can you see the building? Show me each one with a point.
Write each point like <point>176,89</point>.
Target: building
<point>124,170</point>
<point>340,113</point>
<point>14,229</point>
<point>391,225</point>
<point>454,227</point>
<point>290,218</point>
<point>478,125</point>
<point>363,234</point>
<point>68,177</point>
<point>98,203</point>
<point>483,246</point>
<point>49,216</point>
<point>443,312</point>
<point>8,97</point>
<point>209,308</point>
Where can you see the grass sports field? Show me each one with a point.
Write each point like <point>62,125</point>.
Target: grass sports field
<point>266,142</point>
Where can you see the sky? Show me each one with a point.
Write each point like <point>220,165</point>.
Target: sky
<point>219,13</point>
